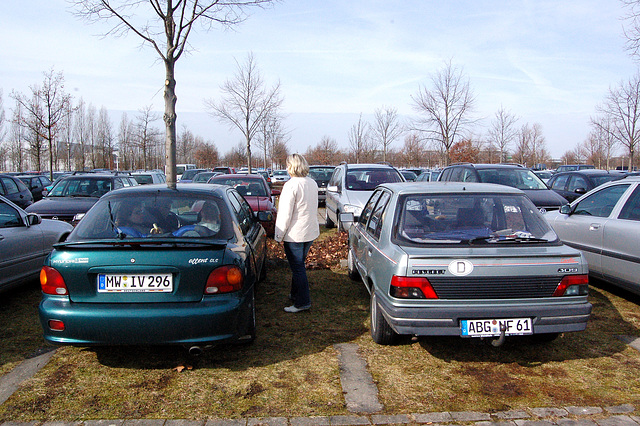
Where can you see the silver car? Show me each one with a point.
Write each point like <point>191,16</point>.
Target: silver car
<point>465,259</point>
<point>604,224</point>
<point>351,186</point>
<point>25,241</point>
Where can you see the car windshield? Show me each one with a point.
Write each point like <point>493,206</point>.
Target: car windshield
<point>81,187</point>
<point>143,179</point>
<point>368,179</point>
<point>514,177</point>
<point>150,215</point>
<point>246,187</point>
<point>470,219</point>
<point>280,173</point>
<point>599,180</point>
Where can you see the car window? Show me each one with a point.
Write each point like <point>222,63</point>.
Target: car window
<point>245,186</point>
<point>152,215</point>
<point>559,182</point>
<point>631,209</point>
<point>243,212</point>
<point>10,186</point>
<point>336,179</point>
<point>468,175</point>
<point>600,203</point>
<point>577,182</point>
<point>485,218</point>
<point>367,179</point>
<point>368,208</point>
<point>374,226</point>
<point>9,217</point>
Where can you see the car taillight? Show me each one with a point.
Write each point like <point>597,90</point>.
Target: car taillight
<point>52,282</point>
<point>224,280</point>
<point>573,285</point>
<point>412,288</point>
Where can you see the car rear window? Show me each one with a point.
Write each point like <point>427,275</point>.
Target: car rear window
<point>155,216</point>
<point>437,219</point>
<point>246,187</point>
<point>363,179</point>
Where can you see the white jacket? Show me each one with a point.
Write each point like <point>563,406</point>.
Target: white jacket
<point>297,219</point>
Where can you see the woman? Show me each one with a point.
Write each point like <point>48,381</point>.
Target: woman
<point>297,226</point>
<point>133,219</point>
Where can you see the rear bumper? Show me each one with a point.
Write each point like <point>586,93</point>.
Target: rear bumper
<point>212,320</point>
<point>445,321</point>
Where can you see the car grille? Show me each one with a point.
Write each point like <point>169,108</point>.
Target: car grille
<point>494,288</point>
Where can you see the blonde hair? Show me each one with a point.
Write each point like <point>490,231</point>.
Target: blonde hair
<point>297,166</point>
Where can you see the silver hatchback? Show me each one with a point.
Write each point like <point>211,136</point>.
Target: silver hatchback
<point>465,259</point>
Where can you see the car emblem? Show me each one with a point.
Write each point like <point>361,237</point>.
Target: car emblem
<point>133,260</point>
<point>55,218</point>
<point>460,267</point>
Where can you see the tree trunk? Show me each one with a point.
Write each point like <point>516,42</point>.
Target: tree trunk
<point>170,123</point>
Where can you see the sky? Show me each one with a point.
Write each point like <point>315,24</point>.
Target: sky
<point>548,62</point>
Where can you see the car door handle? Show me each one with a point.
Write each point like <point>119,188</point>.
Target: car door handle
<point>594,227</point>
<point>369,252</point>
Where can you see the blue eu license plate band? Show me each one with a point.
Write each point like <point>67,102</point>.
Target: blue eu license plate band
<point>493,327</point>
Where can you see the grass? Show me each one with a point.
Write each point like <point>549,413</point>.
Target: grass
<point>292,370</point>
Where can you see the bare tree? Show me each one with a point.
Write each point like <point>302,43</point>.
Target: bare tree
<point>413,152</point>
<point>386,128</point>
<point>620,114</point>
<point>603,137</point>
<point>632,30</point>
<point>325,152</point>
<point>359,139</point>
<point>503,132</point>
<point>246,103</point>
<point>45,108</point>
<point>146,134</point>
<point>444,108</point>
<point>165,25</point>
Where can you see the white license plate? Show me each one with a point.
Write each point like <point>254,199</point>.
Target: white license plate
<point>492,327</point>
<point>134,283</point>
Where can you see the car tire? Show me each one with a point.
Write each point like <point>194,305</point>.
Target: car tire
<point>381,331</point>
<point>351,267</point>
<point>250,333</point>
<point>263,271</point>
<point>328,223</point>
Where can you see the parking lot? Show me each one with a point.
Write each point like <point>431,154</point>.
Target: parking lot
<point>293,368</point>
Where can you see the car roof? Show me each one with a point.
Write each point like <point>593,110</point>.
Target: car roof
<point>163,188</point>
<point>491,166</point>
<point>449,187</point>
<point>589,172</point>
<point>240,176</point>
<point>367,166</point>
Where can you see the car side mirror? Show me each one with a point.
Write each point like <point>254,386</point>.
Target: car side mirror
<point>565,209</point>
<point>580,191</point>
<point>33,219</point>
<point>332,188</point>
<point>265,216</point>
<point>347,217</point>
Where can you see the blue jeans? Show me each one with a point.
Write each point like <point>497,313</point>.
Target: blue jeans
<point>296,255</point>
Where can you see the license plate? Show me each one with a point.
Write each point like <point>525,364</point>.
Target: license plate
<point>134,283</point>
<point>493,327</point>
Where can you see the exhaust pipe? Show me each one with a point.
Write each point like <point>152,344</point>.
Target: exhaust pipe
<point>195,351</point>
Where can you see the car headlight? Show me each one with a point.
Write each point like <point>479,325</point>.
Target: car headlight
<point>78,216</point>
<point>356,210</point>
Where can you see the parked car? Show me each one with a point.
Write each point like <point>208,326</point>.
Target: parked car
<point>25,241</point>
<point>203,177</point>
<point>149,178</point>
<point>192,286</point>
<point>506,174</point>
<point>604,224</point>
<point>351,186</point>
<point>572,185</point>
<point>544,175</point>
<point>188,175</point>
<point>75,194</point>
<point>573,167</point>
<point>36,184</point>
<point>464,259</point>
<point>428,176</point>
<point>408,175</point>
<point>280,176</point>
<point>225,170</point>
<point>255,190</point>
<point>267,177</point>
<point>321,174</point>
<point>180,169</point>
<point>15,191</point>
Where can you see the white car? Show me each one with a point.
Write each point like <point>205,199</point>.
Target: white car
<point>280,176</point>
<point>604,224</point>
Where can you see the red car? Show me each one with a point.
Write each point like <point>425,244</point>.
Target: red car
<point>256,191</point>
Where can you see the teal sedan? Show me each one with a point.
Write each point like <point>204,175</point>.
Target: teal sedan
<point>151,265</point>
